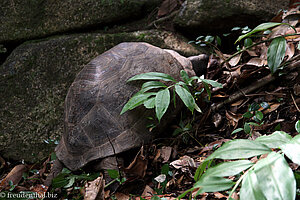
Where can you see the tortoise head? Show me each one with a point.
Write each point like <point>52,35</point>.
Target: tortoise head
<point>199,64</point>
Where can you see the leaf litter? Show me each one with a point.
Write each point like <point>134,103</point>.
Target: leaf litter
<point>222,116</point>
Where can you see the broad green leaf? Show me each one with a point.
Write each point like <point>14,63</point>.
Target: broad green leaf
<point>248,42</point>
<point>212,83</point>
<point>259,115</point>
<point>149,85</point>
<point>218,40</point>
<point>275,177</point>
<point>248,114</point>
<point>152,76</point>
<point>162,101</point>
<point>247,128</point>
<point>275,140</point>
<point>206,86</point>
<point>186,97</point>
<point>136,100</point>
<point>59,181</point>
<point>254,107</point>
<point>149,103</point>
<point>261,27</point>
<point>213,184</point>
<point>228,168</point>
<point>237,130</point>
<point>113,174</point>
<point>197,108</point>
<point>292,149</point>
<point>250,189</point>
<point>71,182</point>
<point>185,76</point>
<point>276,52</point>
<point>200,170</point>
<point>240,148</point>
<point>297,126</point>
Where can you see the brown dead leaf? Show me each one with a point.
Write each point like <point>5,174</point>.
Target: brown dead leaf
<point>165,153</point>
<point>272,108</point>
<point>235,60</point>
<point>94,190</point>
<point>290,50</point>
<point>184,163</point>
<point>256,62</point>
<point>251,53</point>
<point>15,175</point>
<point>148,191</point>
<point>293,37</point>
<point>213,145</point>
<point>219,195</point>
<point>138,167</point>
<point>233,118</point>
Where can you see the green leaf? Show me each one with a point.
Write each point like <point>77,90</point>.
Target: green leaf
<point>136,100</point>
<point>259,115</point>
<point>228,168</point>
<point>150,103</point>
<point>237,130</point>
<point>261,27</point>
<point>248,114</point>
<point>247,42</point>
<point>292,149</point>
<point>254,107</point>
<point>152,76</point>
<point>186,97</point>
<point>113,173</point>
<point>151,85</point>
<point>206,86</point>
<point>71,182</point>
<point>200,170</point>
<point>297,126</point>
<point>275,177</point>
<point>250,188</point>
<point>59,181</point>
<point>185,77</point>
<point>211,82</point>
<point>240,148</point>
<point>162,101</point>
<point>247,128</point>
<point>209,38</point>
<point>275,140</point>
<point>276,52</point>
<point>218,40</point>
<point>213,184</point>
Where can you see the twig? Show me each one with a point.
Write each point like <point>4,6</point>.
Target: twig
<point>295,103</point>
<point>258,84</point>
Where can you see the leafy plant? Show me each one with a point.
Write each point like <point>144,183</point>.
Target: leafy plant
<point>160,100</point>
<point>255,114</point>
<point>270,177</point>
<point>66,178</point>
<point>115,175</point>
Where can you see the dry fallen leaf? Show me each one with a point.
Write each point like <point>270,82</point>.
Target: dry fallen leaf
<point>235,60</point>
<point>138,167</point>
<point>94,190</point>
<point>165,153</point>
<point>184,163</point>
<point>256,62</point>
<point>148,191</point>
<point>15,175</point>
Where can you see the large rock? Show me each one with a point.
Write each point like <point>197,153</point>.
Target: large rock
<point>21,20</point>
<point>36,76</point>
<point>221,15</point>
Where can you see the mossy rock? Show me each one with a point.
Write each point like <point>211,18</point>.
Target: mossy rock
<point>36,76</point>
<point>22,20</point>
<point>222,15</point>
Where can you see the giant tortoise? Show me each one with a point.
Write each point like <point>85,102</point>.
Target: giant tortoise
<point>94,128</point>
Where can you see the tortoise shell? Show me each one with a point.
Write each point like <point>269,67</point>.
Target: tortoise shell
<point>94,127</point>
